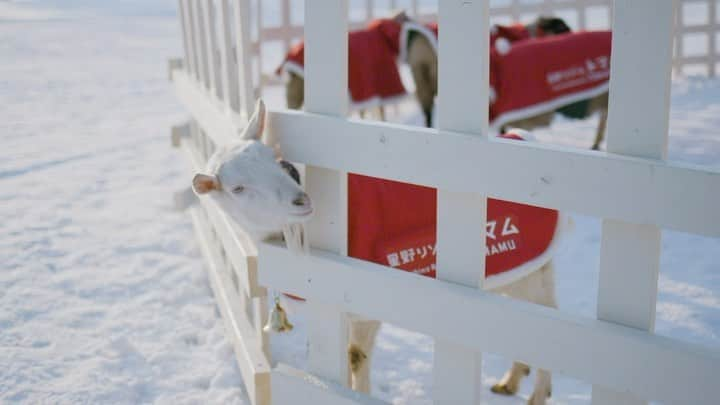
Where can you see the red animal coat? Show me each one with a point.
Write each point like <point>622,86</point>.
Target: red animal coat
<point>374,78</point>
<point>394,224</point>
<point>543,74</point>
<point>537,75</point>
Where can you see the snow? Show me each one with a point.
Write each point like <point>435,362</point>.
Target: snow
<point>103,298</point>
<point>103,295</point>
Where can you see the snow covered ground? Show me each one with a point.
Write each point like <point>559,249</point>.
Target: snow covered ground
<point>103,295</point>
<point>103,298</point>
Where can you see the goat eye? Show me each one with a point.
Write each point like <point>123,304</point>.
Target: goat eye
<point>238,189</point>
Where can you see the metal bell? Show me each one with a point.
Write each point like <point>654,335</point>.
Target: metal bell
<point>278,321</point>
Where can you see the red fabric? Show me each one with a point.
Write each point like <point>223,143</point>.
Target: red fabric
<point>296,54</point>
<point>390,31</point>
<point>513,33</point>
<point>372,61</point>
<point>394,224</point>
<point>548,68</point>
<point>433,26</point>
<point>541,70</point>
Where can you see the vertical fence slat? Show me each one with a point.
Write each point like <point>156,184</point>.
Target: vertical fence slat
<point>260,318</point>
<point>712,40</point>
<point>461,260</point>
<point>257,46</point>
<point>241,18</point>
<point>326,50</point>
<point>515,10</point>
<point>228,66</point>
<point>640,78</point>
<point>287,24</point>
<point>581,10</point>
<point>326,58</point>
<point>637,126</point>
<point>678,34</point>
<point>191,23</point>
<point>462,106</point>
<point>186,36</point>
<point>208,7</point>
<point>200,42</point>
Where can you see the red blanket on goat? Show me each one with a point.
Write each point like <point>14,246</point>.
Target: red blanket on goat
<point>394,224</point>
<point>515,32</point>
<point>373,75</point>
<point>539,75</point>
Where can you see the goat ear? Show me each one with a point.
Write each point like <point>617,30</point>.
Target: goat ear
<point>256,125</point>
<point>400,16</point>
<point>203,183</point>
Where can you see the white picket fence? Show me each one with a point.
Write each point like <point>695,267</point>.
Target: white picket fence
<point>631,186</point>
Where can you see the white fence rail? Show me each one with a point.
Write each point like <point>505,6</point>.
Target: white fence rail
<point>631,187</point>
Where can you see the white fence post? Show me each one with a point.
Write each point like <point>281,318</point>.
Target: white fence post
<point>713,32</point>
<point>461,218</point>
<point>285,11</point>
<point>228,64</point>
<point>581,10</point>
<point>191,25</point>
<point>678,36</point>
<point>637,126</point>
<point>326,84</point>
<point>415,9</point>
<point>208,15</point>
<point>187,36</point>
<point>200,42</point>
<point>195,40</point>
<point>243,49</point>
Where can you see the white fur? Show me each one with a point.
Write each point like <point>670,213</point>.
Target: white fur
<point>502,45</point>
<point>270,201</point>
<point>492,95</point>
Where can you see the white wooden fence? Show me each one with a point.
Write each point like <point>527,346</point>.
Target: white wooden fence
<point>631,186</point>
<point>697,37</point>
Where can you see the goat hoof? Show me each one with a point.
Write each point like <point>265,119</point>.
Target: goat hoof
<point>595,147</point>
<point>538,399</point>
<point>503,389</point>
<point>535,401</point>
<point>356,357</point>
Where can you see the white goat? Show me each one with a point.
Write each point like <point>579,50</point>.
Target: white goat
<point>255,187</point>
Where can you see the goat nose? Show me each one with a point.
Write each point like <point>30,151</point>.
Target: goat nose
<point>302,199</point>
